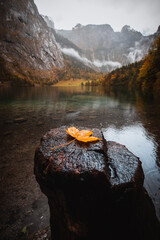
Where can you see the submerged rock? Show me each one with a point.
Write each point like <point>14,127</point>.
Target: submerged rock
<point>19,120</point>
<point>39,123</point>
<point>95,190</point>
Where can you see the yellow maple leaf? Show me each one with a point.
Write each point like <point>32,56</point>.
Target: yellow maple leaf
<point>83,135</point>
<point>72,131</point>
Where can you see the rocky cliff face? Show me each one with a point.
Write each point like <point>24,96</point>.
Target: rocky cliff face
<point>29,51</point>
<point>105,47</point>
<point>74,57</point>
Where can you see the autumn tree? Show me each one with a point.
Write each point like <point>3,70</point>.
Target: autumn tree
<point>149,75</point>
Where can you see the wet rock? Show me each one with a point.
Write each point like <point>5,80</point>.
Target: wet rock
<point>19,120</point>
<point>8,122</point>
<point>95,190</point>
<point>80,118</point>
<point>40,123</point>
<point>125,167</point>
<point>7,133</point>
<point>56,119</point>
<point>70,111</point>
<point>58,112</point>
<point>131,206</point>
<point>92,117</point>
<point>44,234</point>
<point>30,111</point>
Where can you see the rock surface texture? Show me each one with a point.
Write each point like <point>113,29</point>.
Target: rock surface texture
<point>95,190</point>
<point>29,51</point>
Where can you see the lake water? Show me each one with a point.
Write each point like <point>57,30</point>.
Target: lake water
<point>129,119</point>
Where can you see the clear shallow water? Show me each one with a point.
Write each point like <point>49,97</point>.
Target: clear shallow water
<point>128,119</point>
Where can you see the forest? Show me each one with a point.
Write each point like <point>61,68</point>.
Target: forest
<point>143,75</point>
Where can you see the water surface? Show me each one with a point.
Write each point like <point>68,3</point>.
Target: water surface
<point>129,119</point>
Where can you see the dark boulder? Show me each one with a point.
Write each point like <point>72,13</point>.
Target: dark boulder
<point>95,190</point>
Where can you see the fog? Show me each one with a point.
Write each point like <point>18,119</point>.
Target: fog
<point>137,52</point>
<point>97,63</point>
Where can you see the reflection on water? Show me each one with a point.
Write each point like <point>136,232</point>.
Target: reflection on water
<point>144,146</point>
<point>128,119</point>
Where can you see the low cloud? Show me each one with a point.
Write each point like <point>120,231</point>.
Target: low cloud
<point>137,52</point>
<point>97,63</point>
<point>135,55</point>
<point>71,52</point>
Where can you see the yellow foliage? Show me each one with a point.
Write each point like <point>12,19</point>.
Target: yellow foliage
<point>83,135</point>
<point>145,66</point>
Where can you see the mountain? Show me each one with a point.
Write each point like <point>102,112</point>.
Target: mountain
<point>67,47</point>
<point>76,64</point>
<point>63,42</point>
<point>72,52</point>
<point>108,49</point>
<point>29,52</point>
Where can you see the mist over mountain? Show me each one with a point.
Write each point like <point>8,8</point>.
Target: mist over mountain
<point>107,49</point>
<point>70,49</point>
<point>143,75</point>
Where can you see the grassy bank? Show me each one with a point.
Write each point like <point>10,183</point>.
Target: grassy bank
<point>71,82</point>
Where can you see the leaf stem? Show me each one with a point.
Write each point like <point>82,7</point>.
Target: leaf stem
<point>63,144</point>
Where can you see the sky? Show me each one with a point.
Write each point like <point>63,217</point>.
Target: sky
<point>142,15</point>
